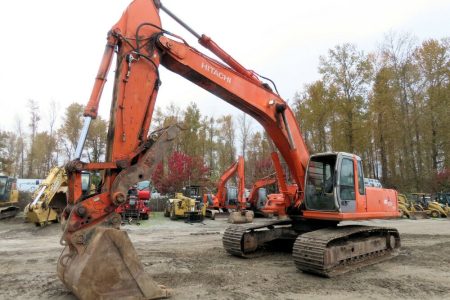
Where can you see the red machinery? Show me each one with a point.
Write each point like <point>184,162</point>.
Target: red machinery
<point>99,261</point>
<point>137,206</point>
<point>144,194</point>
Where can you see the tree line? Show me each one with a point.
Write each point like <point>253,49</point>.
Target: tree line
<point>390,106</point>
<point>32,153</point>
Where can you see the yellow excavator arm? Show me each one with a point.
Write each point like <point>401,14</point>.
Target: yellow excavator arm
<point>49,198</point>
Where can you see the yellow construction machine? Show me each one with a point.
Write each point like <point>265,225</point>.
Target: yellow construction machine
<point>432,208</point>
<point>49,199</point>
<point>186,205</point>
<point>444,200</point>
<point>410,210</point>
<point>9,197</point>
<point>436,210</point>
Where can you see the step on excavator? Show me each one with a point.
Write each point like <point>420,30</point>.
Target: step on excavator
<point>99,261</point>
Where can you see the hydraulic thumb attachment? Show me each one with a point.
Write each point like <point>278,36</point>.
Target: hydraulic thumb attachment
<point>99,261</point>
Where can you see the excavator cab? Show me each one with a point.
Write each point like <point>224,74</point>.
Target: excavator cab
<point>8,189</point>
<point>9,196</point>
<point>4,188</point>
<point>193,191</point>
<point>335,190</point>
<point>320,192</point>
<point>208,199</point>
<point>86,183</point>
<point>261,198</point>
<point>231,196</point>
<point>330,182</point>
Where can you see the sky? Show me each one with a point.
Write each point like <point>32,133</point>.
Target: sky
<point>51,50</point>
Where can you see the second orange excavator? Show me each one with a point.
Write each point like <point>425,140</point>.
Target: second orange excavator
<point>99,261</point>
<point>257,197</point>
<point>229,200</point>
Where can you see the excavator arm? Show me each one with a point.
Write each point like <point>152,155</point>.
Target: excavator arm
<point>236,168</point>
<point>254,98</point>
<point>90,233</point>
<point>50,194</point>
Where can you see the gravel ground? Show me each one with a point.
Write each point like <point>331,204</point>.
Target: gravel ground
<point>190,260</point>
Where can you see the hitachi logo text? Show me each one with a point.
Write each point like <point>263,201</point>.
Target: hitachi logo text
<point>216,72</point>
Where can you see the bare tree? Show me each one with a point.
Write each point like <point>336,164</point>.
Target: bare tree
<point>244,127</point>
<point>70,130</point>
<point>33,107</point>
<point>20,148</point>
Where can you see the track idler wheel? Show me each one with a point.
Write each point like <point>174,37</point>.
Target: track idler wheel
<point>107,267</point>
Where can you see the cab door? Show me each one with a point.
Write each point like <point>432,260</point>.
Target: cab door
<point>346,184</point>
<point>361,197</point>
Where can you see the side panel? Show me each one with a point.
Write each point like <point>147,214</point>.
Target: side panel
<point>331,216</point>
<point>381,204</point>
<point>381,200</point>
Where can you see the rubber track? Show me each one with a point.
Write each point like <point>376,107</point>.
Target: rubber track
<point>310,248</point>
<point>233,235</point>
<point>8,212</point>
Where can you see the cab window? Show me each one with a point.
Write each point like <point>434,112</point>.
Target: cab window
<point>361,179</point>
<point>347,180</point>
<point>85,182</point>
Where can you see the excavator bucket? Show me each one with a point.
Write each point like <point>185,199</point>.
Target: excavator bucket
<point>239,217</point>
<point>108,267</point>
<point>100,262</point>
<point>418,215</point>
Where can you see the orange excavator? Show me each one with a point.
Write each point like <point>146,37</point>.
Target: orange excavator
<point>276,203</point>
<point>255,200</point>
<point>99,261</point>
<point>229,200</point>
<point>226,198</point>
